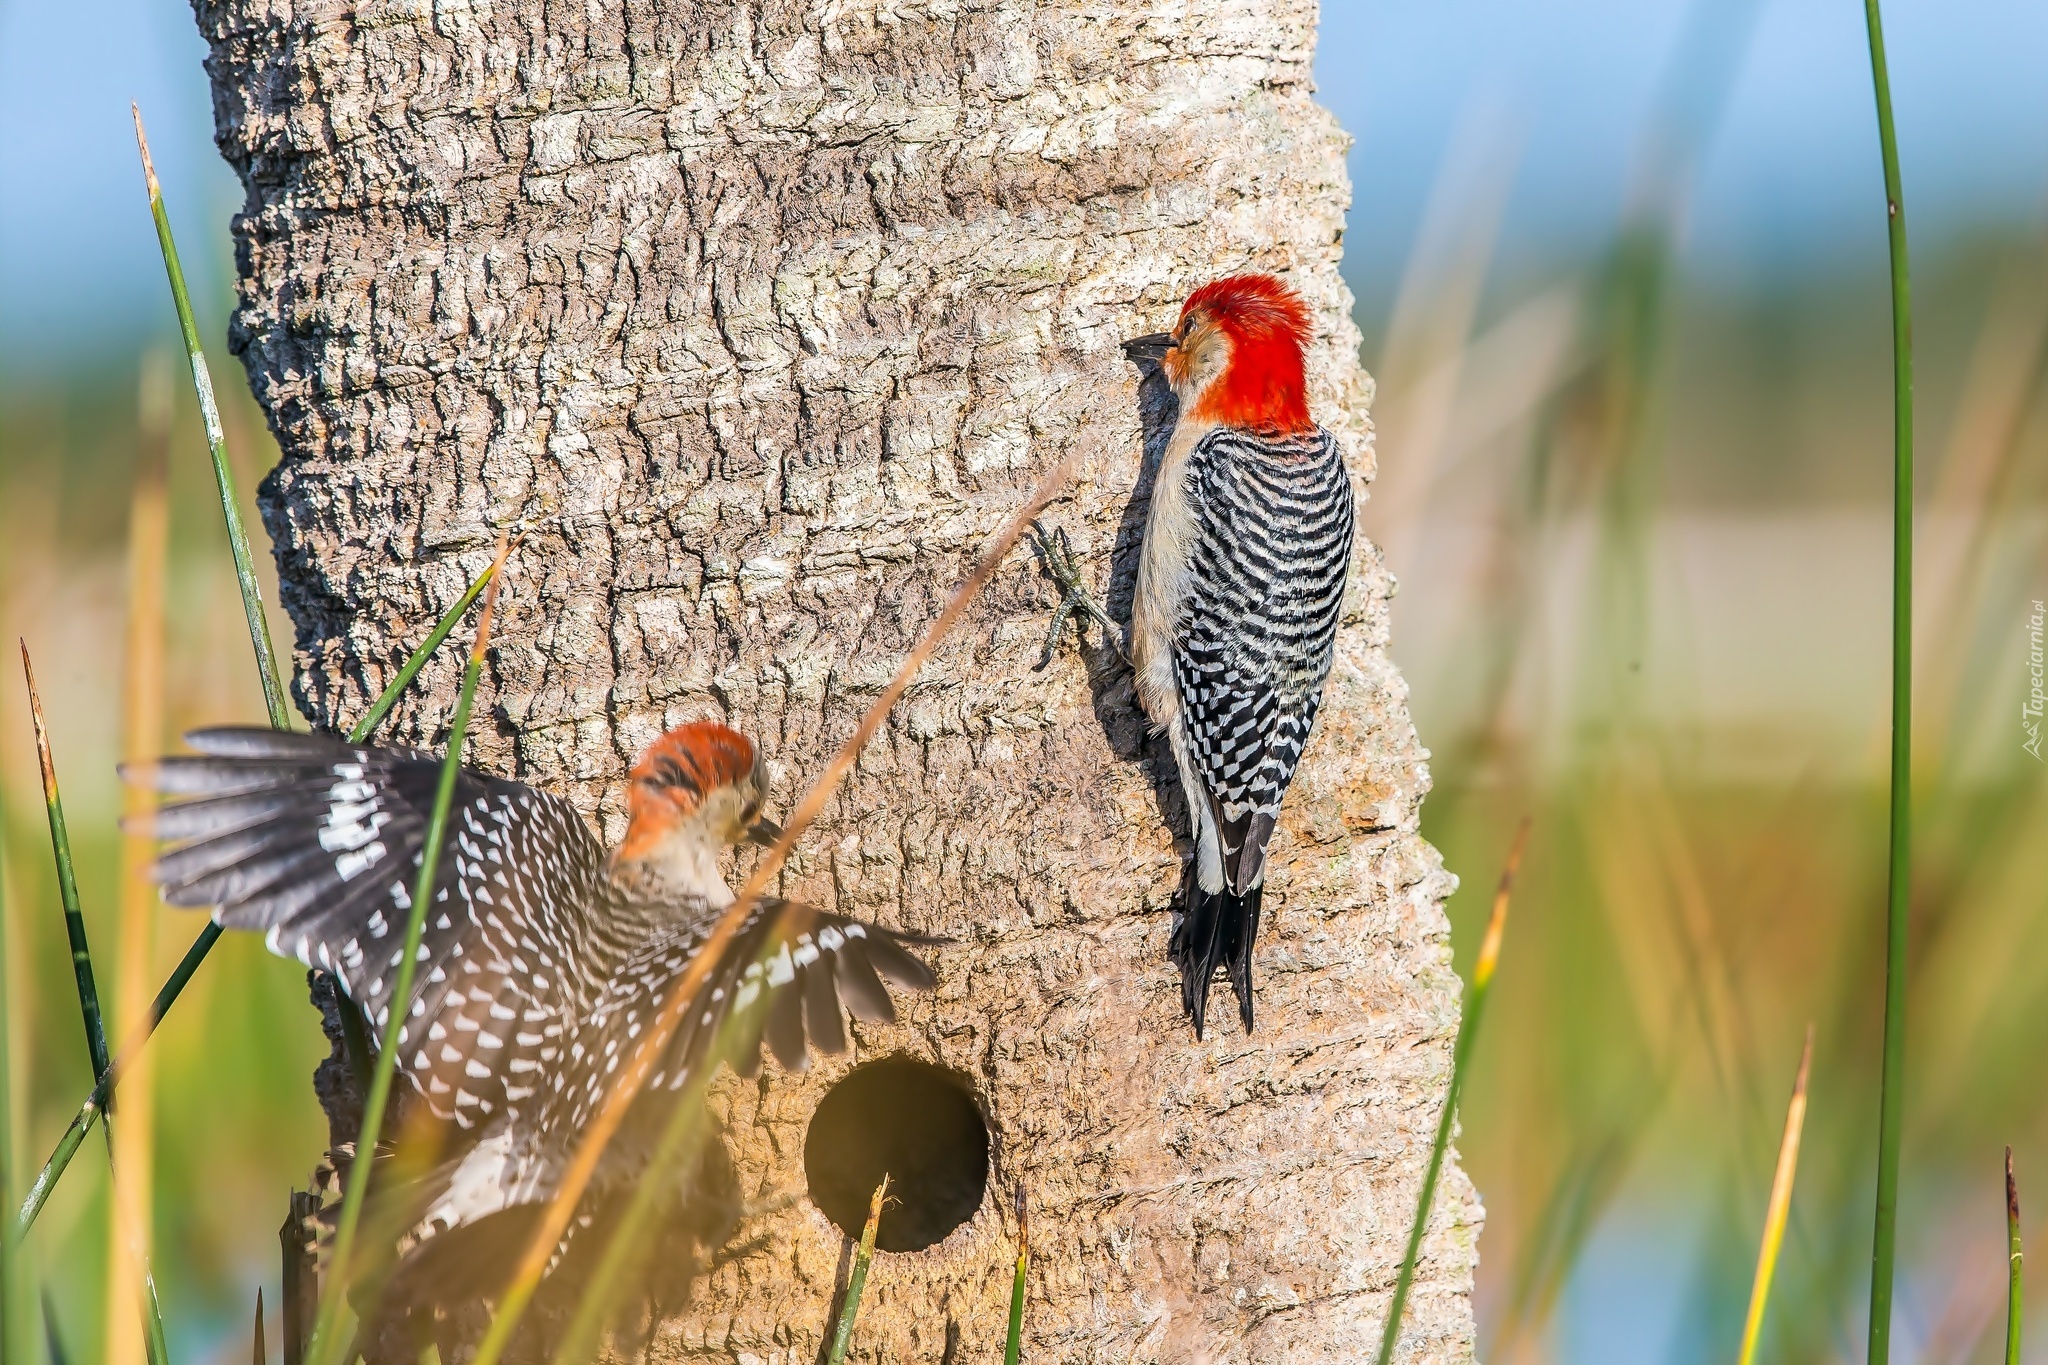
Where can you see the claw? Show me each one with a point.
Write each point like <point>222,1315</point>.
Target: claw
<point>1057,554</point>
<point>1052,635</point>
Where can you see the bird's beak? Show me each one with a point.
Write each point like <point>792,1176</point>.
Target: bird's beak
<point>1153,347</point>
<point>763,832</point>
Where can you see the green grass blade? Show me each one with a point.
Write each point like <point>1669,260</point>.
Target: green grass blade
<point>53,1170</point>
<point>89,1112</point>
<point>257,1355</point>
<point>1779,1208</point>
<point>95,1103</point>
<point>54,1342</point>
<point>167,996</point>
<point>857,1278</point>
<point>67,885</point>
<point>329,1343</point>
<point>1892,1093</point>
<point>153,1321</point>
<point>418,658</point>
<point>82,974</point>
<point>1461,1056</point>
<point>1013,1346</point>
<point>2013,1257</point>
<point>216,443</point>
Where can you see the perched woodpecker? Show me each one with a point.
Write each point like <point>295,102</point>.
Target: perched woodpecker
<point>1234,615</point>
<point>545,954</point>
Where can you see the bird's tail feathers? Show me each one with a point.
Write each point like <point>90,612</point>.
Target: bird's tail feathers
<point>1217,930</point>
<point>398,1191</point>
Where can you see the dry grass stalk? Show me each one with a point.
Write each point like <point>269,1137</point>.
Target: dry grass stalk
<point>512,1304</point>
<point>1780,1207</point>
<point>142,725</point>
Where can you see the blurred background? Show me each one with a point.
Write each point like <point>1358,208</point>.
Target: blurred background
<point>1620,268</point>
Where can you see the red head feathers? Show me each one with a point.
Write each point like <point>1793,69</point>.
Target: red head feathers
<point>683,770</point>
<point>1265,326</point>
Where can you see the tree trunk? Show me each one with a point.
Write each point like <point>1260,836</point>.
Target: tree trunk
<point>765,315</point>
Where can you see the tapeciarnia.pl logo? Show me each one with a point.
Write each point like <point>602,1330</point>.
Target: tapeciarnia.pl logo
<point>2031,708</point>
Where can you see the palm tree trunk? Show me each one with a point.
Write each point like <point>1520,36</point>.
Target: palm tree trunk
<point>763,316</point>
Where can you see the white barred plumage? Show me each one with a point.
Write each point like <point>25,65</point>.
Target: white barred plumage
<point>1240,585</point>
<point>544,955</point>
<point>1272,520</point>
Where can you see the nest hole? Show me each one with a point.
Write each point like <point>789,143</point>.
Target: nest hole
<point>914,1122</point>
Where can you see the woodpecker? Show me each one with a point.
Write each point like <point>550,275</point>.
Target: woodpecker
<point>1240,582</point>
<point>545,955</point>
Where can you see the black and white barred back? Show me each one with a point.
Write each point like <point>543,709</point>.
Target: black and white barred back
<point>537,973</point>
<point>1258,622</point>
<point>1272,521</point>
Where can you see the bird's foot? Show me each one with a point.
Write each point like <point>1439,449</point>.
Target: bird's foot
<point>1077,604</point>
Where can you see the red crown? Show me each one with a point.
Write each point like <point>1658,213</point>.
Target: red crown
<point>677,771</point>
<point>1264,389</point>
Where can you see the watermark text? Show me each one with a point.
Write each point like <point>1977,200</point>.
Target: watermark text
<point>2031,708</point>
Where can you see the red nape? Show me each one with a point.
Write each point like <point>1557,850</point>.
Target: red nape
<point>1263,388</point>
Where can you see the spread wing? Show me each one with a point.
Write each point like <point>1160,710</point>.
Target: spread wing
<point>318,844</point>
<point>1269,555</point>
<point>781,980</point>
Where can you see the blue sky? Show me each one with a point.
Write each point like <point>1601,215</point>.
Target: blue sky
<point>1787,178</point>
<point>1788,175</point>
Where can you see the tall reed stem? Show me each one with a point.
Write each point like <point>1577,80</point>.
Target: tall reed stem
<point>95,1104</point>
<point>417,660</point>
<point>217,445</point>
<point>14,1347</point>
<point>82,976</point>
<point>67,883</point>
<point>1892,1093</point>
<point>1461,1056</point>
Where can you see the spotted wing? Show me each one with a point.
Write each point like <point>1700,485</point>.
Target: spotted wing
<point>318,844</point>
<point>781,980</point>
<point>1271,549</point>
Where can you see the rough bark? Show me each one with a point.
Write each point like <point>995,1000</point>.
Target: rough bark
<point>767,314</point>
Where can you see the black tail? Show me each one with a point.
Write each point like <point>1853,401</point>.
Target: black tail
<point>1219,928</point>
